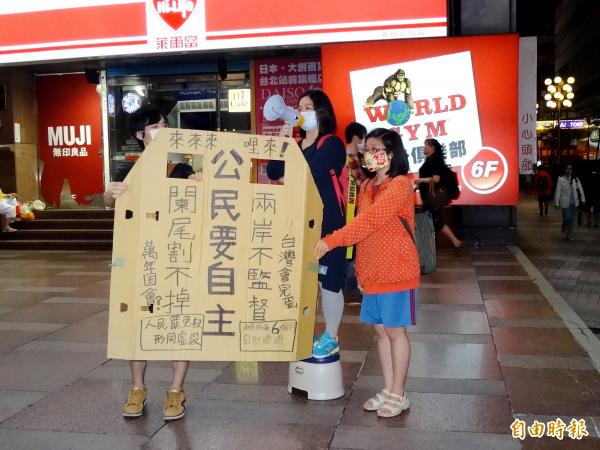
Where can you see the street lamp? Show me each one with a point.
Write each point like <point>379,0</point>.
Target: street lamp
<point>559,95</point>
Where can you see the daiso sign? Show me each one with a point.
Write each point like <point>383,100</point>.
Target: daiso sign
<point>460,91</point>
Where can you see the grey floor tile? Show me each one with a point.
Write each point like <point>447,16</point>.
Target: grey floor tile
<point>354,356</point>
<point>22,299</point>
<point>353,437</point>
<point>214,433</point>
<point>61,440</point>
<point>315,413</point>
<point>31,326</point>
<point>546,362</point>
<point>527,323</point>
<point>57,346</point>
<point>54,313</point>
<point>99,273</point>
<point>103,300</point>
<point>94,406</point>
<point>92,329</point>
<point>438,412</point>
<point>451,338</point>
<point>164,374</point>
<point>42,289</point>
<point>276,374</point>
<point>459,322</point>
<point>374,383</point>
<point>445,360</point>
<point>260,393</point>
<point>217,365</point>
<point>454,295</point>
<point>45,371</point>
<point>10,339</point>
<point>12,402</point>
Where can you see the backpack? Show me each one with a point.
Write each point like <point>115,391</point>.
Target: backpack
<point>340,182</point>
<point>424,240</point>
<point>451,185</point>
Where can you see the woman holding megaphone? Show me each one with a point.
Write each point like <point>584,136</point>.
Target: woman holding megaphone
<point>326,157</point>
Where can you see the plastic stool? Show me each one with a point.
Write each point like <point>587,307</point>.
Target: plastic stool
<point>321,378</point>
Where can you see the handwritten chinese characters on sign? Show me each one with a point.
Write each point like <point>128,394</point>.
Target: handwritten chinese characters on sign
<point>215,269</point>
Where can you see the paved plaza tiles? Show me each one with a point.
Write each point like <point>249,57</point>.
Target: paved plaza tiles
<point>493,344</point>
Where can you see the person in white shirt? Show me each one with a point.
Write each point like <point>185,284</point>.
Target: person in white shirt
<point>568,196</point>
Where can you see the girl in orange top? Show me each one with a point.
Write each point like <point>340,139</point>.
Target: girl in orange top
<point>387,262</point>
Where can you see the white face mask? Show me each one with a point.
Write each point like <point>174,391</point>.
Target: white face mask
<point>152,133</point>
<point>310,121</point>
<point>376,162</point>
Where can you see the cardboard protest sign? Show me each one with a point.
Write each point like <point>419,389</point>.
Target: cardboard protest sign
<point>218,269</point>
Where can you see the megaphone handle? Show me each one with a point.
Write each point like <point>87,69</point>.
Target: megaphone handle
<point>286,130</point>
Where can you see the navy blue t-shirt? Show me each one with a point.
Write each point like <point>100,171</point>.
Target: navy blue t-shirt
<point>331,154</point>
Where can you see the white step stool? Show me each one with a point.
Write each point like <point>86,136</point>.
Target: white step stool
<point>321,379</point>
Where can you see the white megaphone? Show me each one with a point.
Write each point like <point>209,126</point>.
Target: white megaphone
<point>275,108</point>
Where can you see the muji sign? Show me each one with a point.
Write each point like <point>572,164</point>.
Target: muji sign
<point>174,12</point>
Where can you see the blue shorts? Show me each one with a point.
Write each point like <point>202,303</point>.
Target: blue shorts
<point>392,309</point>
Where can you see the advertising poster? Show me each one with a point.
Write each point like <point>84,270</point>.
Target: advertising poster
<point>286,77</point>
<point>70,127</point>
<point>460,91</point>
<point>220,269</point>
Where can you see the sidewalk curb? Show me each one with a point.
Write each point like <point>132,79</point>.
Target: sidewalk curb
<point>580,331</point>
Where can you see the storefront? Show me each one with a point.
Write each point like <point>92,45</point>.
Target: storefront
<point>212,65</point>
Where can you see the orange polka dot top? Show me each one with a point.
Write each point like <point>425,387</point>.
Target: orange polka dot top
<point>386,258</point>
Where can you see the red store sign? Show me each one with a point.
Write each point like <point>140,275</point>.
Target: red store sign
<point>70,146</point>
<point>34,30</point>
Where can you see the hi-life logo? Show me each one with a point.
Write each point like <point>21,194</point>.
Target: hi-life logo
<point>70,140</point>
<point>174,12</point>
<point>421,99</point>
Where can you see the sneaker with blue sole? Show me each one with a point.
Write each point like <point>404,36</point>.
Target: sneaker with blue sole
<point>326,346</point>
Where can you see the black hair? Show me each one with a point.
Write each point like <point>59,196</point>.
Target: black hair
<point>355,129</point>
<point>392,142</point>
<point>438,151</point>
<point>324,111</point>
<point>140,119</point>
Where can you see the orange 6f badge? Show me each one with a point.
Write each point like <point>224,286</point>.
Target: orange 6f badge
<point>486,172</point>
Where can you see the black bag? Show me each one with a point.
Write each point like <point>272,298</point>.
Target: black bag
<point>438,197</point>
<point>451,184</point>
<point>542,184</point>
<point>424,241</point>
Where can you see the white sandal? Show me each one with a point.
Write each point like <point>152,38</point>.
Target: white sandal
<point>394,405</point>
<point>376,402</point>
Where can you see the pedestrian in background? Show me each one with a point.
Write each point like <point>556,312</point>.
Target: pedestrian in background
<point>569,194</point>
<point>542,184</point>
<point>432,175</point>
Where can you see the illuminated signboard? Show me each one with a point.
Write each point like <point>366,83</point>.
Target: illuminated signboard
<point>238,100</point>
<point>442,89</point>
<point>61,29</point>
<point>565,124</point>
